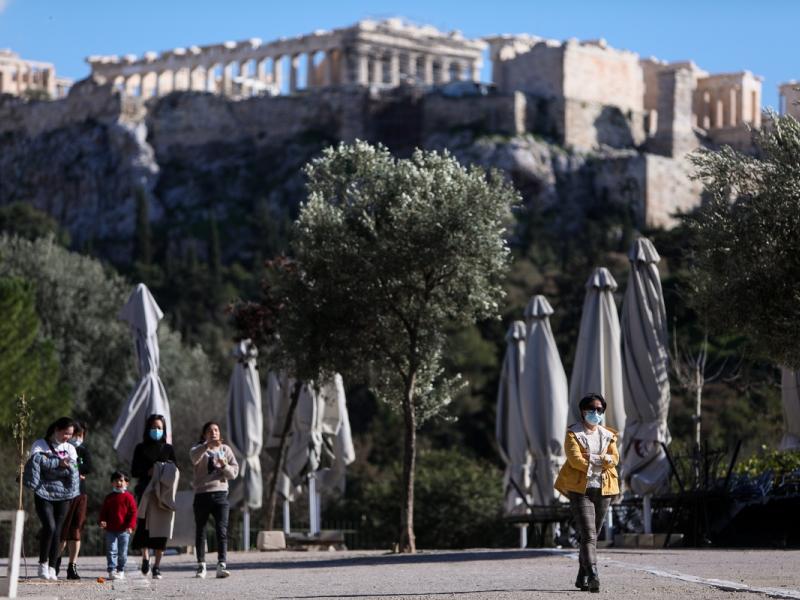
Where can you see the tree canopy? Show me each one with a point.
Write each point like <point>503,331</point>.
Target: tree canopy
<point>388,254</point>
<point>746,242</point>
<point>28,363</point>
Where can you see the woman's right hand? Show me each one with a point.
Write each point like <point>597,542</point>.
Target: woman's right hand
<point>64,463</point>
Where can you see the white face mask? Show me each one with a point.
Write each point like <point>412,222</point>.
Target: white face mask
<point>593,417</point>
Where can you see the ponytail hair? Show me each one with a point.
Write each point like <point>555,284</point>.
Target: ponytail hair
<point>62,423</point>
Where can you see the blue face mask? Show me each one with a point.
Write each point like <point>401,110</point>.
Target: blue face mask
<point>76,442</point>
<point>593,417</point>
<point>156,434</point>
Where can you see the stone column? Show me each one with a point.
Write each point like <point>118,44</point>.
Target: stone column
<point>294,62</point>
<point>277,72</point>
<point>227,78</point>
<point>50,81</point>
<point>363,69</point>
<point>261,69</point>
<point>412,66</point>
<point>394,68</point>
<point>19,72</point>
<point>329,64</point>
<point>311,70</point>
<point>211,78</point>
<point>475,70</point>
<point>444,73</point>
<point>428,69</point>
<point>377,70</point>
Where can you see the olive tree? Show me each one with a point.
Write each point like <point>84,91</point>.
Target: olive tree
<point>746,242</point>
<point>388,254</point>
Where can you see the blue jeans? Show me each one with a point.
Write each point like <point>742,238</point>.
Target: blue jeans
<point>117,549</point>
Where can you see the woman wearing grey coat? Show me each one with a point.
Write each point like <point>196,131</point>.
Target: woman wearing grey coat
<point>53,476</point>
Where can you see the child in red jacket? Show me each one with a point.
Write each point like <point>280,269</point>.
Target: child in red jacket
<point>118,518</point>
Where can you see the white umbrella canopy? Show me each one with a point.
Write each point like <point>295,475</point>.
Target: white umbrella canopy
<point>645,372</point>
<point>509,427</point>
<point>598,360</point>
<point>337,435</point>
<point>149,397</point>
<point>279,389</point>
<point>545,400</point>
<point>245,425</point>
<point>790,395</point>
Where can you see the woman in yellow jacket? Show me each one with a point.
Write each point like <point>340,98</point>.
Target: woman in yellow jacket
<point>589,479</point>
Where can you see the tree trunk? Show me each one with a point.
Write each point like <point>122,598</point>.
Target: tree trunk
<point>407,541</point>
<point>272,496</point>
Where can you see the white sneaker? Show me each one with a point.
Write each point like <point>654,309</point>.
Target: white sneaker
<point>53,576</point>
<point>44,571</point>
<point>222,571</point>
<point>201,570</point>
<point>118,575</point>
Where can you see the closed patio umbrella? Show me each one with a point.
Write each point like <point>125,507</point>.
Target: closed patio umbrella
<point>598,360</point>
<point>338,436</point>
<point>545,400</point>
<point>245,430</point>
<point>645,373</point>
<point>149,397</point>
<point>509,427</point>
<point>790,395</point>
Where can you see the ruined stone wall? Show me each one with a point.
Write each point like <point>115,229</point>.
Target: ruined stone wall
<point>668,189</point>
<point>539,72</point>
<point>595,73</point>
<point>193,118</point>
<point>588,125</point>
<point>790,99</point>
<point>506,114</point>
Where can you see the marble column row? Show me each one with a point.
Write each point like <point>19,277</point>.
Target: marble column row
<point>322,69</point>
<point>389,68</point>
<point>17,78</point>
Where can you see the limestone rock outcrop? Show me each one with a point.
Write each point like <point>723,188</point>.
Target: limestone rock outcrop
<point>195,156</point>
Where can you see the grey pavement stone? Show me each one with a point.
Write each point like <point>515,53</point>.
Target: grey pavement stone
<point>469,574</point>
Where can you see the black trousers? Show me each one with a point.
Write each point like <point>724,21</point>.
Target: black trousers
<point>211,504</point>
<point>51,513</point>
<point>589,511</point>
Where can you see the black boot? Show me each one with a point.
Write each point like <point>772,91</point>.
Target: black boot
<point>72,571</point>
<point>594,579</point>
<point>582,581</point>
<point>58,565</point>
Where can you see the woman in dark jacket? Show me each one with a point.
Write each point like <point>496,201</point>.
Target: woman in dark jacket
<point>153,448</point>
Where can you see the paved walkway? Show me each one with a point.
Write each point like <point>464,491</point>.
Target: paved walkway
<point>467,575</point>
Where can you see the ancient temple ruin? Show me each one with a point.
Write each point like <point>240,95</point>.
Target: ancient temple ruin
<point>790,99</point>
<point>19,77</point>
<point>608,96</point>
<point>380,53</point>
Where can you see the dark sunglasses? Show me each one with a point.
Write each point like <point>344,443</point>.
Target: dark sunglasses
<point>599,411</point>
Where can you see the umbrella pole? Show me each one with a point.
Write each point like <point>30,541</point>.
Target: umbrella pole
<point>647,510</point>
<point>287,527</point>
<point>312,505</point>
<point>246,528</point>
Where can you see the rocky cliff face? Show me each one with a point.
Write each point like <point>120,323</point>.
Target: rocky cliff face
<point>195,157</point>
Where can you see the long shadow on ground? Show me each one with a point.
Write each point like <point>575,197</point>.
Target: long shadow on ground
<point>400,559</point>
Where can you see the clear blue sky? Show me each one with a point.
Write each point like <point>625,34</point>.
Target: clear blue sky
<point>719,35</point>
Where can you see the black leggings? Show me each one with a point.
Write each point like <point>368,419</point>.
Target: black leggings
<point>52,514</point>
<point>206,505</point>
